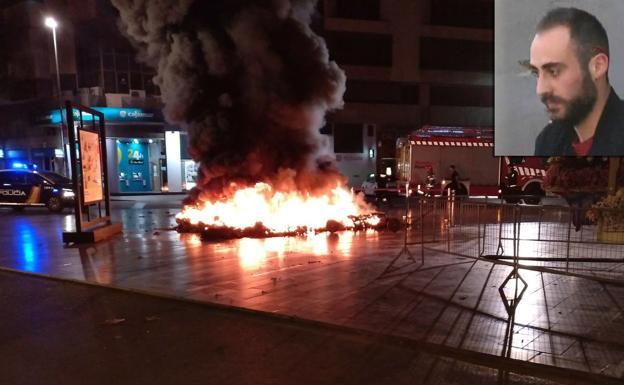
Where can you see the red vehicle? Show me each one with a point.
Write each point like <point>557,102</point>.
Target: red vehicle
<point>426,155</point>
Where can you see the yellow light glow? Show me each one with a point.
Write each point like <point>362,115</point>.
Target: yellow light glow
<point>252,253</point>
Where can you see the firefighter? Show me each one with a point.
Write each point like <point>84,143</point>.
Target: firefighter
<point>454,178</point>
<point>430,177</point>
<point>512,177</point>
<point>430,182</point>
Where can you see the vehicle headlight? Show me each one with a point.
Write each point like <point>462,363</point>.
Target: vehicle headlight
<point>68,193</point>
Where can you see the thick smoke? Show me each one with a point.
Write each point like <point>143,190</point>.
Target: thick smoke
<point>249,80</point>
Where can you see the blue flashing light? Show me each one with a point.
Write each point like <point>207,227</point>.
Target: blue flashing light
<point>23,166</point>
<point>55,190</point>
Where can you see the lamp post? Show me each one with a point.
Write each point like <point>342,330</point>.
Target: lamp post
<point>51,23</point>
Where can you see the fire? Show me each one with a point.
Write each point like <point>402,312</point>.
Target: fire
<point>274,212</point>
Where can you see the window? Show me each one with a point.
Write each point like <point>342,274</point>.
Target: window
<point>88,67</point>
<point>150,87</point>
<point>121,62</point>
<point>184,145</point>
<point>134,65</point>
<point>348,138</point>
<point>123,85</point>
<point>109,61</point>
<point>68,81</point>
<point>93,63</point>
<point>361,91</point>
<point>368,49</point>
<point>456,55</point>
<point>109,82</point>
<point>136,81</point>
<point>477,96</point>
<point>357,9</point>
<point>463,13</point>
<point>33,179</point>
<point>88,79</point>
<point>15,177</point>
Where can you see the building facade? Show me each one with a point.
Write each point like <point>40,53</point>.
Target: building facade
<point>98,69</point>
<point>409,63</point>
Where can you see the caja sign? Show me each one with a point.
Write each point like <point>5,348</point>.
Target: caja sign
<point>111,114</point>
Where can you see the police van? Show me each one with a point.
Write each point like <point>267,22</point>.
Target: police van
<point>24,186</point>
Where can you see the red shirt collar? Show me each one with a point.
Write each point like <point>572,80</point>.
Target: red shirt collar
<point>582,148</point>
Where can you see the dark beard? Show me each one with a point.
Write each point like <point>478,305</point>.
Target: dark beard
<point>580,106</point>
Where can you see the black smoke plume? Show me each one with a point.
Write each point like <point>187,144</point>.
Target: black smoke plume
<point>250,82</point>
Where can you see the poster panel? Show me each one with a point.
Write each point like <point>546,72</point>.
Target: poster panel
<point>91,167</point>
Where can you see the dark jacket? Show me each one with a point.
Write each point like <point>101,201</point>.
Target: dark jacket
<point>556,138</point>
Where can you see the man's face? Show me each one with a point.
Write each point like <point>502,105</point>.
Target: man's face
<point>563,85</point>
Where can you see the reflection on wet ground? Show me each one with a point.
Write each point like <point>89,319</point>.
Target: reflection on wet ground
<point>449,300</point>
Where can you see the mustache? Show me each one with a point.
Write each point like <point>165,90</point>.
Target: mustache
<point>551,98</point>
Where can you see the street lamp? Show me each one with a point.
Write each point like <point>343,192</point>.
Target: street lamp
<point>51,23</point>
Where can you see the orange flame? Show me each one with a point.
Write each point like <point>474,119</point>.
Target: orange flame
<point>280,211</point>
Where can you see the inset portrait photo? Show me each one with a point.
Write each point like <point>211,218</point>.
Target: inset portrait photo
<point>558,78</point>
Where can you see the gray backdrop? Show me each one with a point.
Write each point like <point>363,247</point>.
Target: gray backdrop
<point>519,116</point>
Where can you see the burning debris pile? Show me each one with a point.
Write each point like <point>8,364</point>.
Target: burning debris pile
<point>376,221</point>
<point>261,212</point>
<point>251,83</point>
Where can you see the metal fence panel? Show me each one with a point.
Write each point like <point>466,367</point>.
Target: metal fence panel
<point>549,237</point>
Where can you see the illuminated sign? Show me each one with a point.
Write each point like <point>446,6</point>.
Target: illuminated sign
<point>111,114</point>
<point>91,166</point>
<point>135,156</point>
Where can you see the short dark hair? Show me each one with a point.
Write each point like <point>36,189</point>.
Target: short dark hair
<point>586,31</point>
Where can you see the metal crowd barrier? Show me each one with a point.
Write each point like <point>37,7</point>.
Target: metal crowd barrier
<point>546,238</point>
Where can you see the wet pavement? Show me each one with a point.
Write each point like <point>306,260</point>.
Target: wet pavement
<point>451,302</point>
<point>60,332</point>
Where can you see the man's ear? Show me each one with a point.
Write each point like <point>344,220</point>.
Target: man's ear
<point>599,65</point>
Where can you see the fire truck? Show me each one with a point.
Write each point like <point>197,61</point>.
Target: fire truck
<point>431,150</point>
